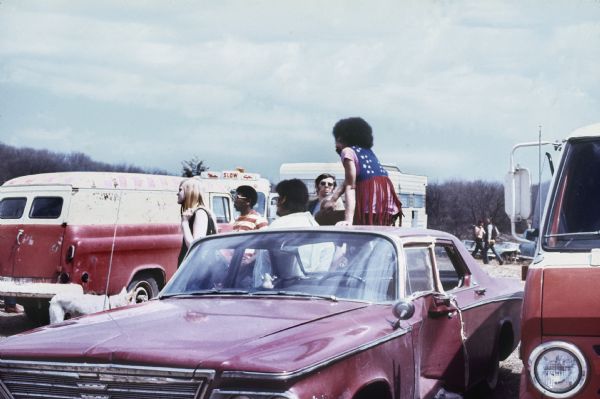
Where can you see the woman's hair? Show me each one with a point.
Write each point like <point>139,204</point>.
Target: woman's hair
<point>324,176</point>
<point>354,131</point>
<point>192,198</point>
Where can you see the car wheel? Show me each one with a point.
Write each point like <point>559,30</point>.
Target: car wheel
<point>144,288</point>
<point>484,388</point>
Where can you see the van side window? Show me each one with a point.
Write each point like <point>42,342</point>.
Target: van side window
<point>418,269</point>
<point>46,208</point>
<point>220,208</point>
<point>261,200</point>
<point>449,265</point>
<point>12,208</point>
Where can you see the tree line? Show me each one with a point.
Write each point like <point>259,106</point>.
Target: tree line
<point>452,206</point>
<point>28,161</point>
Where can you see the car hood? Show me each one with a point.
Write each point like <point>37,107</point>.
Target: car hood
<point>256,334</point>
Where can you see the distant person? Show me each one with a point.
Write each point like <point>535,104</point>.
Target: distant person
<point>478,234</point>
<point>197,221</point>
<point>325,184</point>
<point>491,233</point>
<point>244,200</point>
<point>292,205</point>
<point>370,195</point>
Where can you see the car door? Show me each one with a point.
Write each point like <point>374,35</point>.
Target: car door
<point>480,329</point>
<point>39,239</point>
<point>12,213</point>
<point>439,349</point>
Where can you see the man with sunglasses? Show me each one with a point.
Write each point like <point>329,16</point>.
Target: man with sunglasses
<point>244,200</point>
<point>324,185</point>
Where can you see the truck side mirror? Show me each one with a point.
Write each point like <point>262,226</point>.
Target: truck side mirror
<point>517,194</point>
<point>531,234</point>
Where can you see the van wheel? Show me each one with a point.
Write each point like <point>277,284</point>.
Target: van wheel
<point>144,288</point>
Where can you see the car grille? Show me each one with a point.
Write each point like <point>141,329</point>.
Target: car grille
<point>44,380</point>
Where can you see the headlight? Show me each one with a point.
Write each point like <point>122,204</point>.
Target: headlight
<point>557,369</point>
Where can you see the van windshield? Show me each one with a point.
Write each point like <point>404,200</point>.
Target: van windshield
<point>574,217</point>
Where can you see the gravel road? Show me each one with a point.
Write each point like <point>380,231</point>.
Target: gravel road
<point>510,369</point>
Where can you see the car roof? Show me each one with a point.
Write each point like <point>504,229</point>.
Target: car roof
<point>398,232</point>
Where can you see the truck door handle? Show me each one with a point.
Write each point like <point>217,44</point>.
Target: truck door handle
<point>480,291</point>
<point>19,235</point>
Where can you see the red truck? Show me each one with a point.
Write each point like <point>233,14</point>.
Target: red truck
<point>560,335</point>
<point>96,232</point>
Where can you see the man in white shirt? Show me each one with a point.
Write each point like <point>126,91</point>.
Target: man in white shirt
<point>292,205</point>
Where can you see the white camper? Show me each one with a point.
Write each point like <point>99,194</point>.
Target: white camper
<point>410,188</point>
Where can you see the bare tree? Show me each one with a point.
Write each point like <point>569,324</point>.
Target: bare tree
<point>455,206</point>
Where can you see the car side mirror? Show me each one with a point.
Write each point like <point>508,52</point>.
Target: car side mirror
<point>403,310</point>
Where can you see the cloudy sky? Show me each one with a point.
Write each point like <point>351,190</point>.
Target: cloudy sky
<point>448,86</point>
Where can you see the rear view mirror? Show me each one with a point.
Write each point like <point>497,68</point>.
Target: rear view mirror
<point>517,194</point>
<point>403,310</point>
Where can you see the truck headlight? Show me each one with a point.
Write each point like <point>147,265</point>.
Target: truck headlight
<point>558,369</point>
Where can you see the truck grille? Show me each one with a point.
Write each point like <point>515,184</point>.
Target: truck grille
<point>44,380</point>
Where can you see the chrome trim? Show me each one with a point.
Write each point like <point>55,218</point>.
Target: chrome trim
<point>288,375</point>
<point>84,378</point>
<point>518,296</point>
<point>4,392</point>
<point>567,347</point>
<point>222,394</point>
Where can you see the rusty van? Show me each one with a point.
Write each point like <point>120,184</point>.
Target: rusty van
<point>560,336</point>
<point>94,232</point>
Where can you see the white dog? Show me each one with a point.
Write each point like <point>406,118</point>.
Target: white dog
<point>65,306</point>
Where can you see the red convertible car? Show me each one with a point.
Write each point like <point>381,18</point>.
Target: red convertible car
<point>359,312</point>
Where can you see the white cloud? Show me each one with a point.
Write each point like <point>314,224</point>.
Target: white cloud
<point>262,82</point>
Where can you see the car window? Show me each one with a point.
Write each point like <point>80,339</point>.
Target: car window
<point>220,208</point>
<point>354,266</point>
<point>419,271</point>
<point>12,208</point>
<point>46,208</point>
<point>450,266</point>
<point>261,201</point>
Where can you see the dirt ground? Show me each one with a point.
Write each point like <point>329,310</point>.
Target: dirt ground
<point>510,369</point>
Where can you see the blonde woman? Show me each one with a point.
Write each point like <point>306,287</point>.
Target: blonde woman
<point>193,223</point>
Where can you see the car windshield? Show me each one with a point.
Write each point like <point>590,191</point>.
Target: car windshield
<point>333,265</point>
<point>574,219</point>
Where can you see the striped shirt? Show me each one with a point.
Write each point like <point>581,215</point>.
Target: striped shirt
<point>251,221</point>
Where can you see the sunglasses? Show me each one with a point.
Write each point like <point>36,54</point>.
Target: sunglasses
<point>326,183</point>
<point>236,196</point>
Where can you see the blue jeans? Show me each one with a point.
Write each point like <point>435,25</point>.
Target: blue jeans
<point>485,253</point>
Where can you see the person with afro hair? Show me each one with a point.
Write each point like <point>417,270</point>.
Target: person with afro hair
<point>369,192</point>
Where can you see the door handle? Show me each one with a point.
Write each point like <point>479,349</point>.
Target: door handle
<point>480,291</point>
<point>19,235</point>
